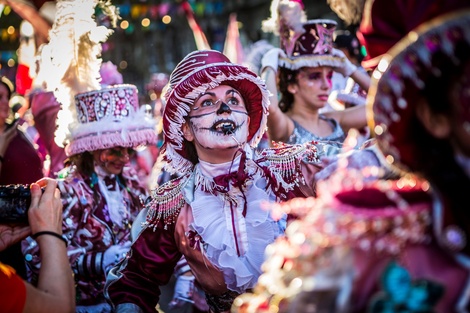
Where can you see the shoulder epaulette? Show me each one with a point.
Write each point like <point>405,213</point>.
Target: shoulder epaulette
<point>166,202</point>
<point>284,162</point>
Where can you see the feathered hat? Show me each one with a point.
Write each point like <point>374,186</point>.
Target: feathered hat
<point>404,73</point>
<point>91,118</point>
<point>306,43</point>
<point>196,73</point>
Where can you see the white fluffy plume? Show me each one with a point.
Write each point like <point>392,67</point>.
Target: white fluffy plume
<point>71,61</point>
<point>285,13</point>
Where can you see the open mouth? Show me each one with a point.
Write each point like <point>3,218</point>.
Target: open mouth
<point>226,127</point>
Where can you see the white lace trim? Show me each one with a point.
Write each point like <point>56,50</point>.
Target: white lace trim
<point>222,232</point>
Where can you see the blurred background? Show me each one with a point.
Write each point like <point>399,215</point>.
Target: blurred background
<point>152,36</point>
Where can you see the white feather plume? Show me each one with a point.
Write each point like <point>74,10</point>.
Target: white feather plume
<point>285,13</point>
<point>71,61</point>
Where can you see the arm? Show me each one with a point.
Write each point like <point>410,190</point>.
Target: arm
<point>279,125</point>
<point>135,281</point>
<point>362,79</point>
<point>347,69</point>
<point>355,117</point>
<point>55,291</point>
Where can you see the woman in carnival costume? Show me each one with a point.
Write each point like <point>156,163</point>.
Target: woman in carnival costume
<point>301,73</point>
<point>391,245</point>
<point>100,191</point>
<point>215,114</point>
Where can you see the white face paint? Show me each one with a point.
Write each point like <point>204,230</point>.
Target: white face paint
<point>219,119</point>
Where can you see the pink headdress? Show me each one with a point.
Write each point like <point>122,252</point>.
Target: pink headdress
<point>91,118</point>
<point>305,42</point>
<point>109,117</point>
<point>313,47</point>
<point>197,72</point>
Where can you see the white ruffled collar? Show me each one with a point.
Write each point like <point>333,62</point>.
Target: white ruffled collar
<point>233,242</point>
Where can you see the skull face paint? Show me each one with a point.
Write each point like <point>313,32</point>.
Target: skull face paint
<point>219,119</point>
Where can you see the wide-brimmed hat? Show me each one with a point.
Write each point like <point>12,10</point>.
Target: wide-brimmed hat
<point>312,47</point>
<point>385,22</point>
<point>109,117</point>
<point>401,77</point>
<point>197,72</point>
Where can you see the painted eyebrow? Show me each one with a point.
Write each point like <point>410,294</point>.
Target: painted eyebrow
<point>212,94</point>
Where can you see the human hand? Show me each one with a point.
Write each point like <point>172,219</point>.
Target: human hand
<point>45,211</point>
<point>6,138</point>
<point>271,59</point>
<point>184,289</point>
<point>114,254</point>
<point>11,234</point>
<point>346,68</point>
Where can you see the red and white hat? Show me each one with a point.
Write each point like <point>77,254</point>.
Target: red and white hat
<point>109,117</point>
<point>197,72</point>
<point>399,82</point>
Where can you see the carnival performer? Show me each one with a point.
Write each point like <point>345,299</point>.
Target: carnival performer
<point>213,214</point>
<point>100,191</point>
<point>392,245</point>
<point>301,73</point>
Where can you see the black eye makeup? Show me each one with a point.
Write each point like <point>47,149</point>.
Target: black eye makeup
<point>209,99</point>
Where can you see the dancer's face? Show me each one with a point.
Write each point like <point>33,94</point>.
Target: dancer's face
<point>218,120</point>
<point>113,160</point>
<point>313,86</point>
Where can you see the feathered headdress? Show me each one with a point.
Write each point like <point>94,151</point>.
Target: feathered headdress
<point>70,62</point>
<point>288,14</point>
<point>91,118</point>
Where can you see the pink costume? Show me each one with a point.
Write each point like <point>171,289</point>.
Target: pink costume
<point>213,214</point>
<point>90,228</point>
<point>390,245</point>
<point>99,207</point>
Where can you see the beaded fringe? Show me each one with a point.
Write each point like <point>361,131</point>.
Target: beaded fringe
<point>166,203</point>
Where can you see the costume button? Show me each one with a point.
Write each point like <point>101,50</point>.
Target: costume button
<point>28,257</point>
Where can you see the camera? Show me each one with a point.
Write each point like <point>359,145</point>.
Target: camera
<point>14,204</point>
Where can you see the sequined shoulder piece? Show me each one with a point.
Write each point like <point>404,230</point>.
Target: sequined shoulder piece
<point>283,151</point>
<point>166,202</point>
<point>284,162</point>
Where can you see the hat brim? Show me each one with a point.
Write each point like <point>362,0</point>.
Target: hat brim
<point>134,131</point>
<point>393,95</point>
<point>295,63</point>
<point>181,97</point>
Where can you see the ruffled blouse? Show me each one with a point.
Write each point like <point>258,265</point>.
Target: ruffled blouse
<point>233,242</point>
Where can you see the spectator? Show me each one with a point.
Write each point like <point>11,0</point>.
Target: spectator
<point>55,291</point>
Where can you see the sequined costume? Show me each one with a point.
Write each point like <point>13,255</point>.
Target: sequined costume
<point>301,135</point>
<point>364,249</point>
<point>225,249</point>
<point>89,228</point>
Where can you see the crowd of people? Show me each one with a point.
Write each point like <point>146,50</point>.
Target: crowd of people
<point>248,186</point>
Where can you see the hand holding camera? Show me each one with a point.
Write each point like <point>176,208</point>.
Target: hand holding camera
<point>39,203</point>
